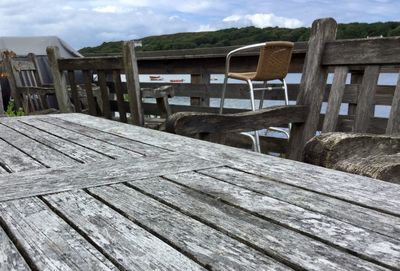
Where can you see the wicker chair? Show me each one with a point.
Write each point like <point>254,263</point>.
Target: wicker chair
<point>273,64</point>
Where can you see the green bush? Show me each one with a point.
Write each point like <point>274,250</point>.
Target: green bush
<point>10,112</point>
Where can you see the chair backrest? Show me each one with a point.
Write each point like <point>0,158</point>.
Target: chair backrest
<point>102,85</point>
<point>363,60</point>
<point>274,60</point>
<point>26,82</point>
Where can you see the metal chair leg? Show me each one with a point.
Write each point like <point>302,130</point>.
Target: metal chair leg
<point>286,100</point>
<point>262,95</point>
<point>221,107</point>
<point>253,108</point>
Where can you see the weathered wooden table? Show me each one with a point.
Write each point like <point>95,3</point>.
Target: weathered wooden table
<point>84,193</point>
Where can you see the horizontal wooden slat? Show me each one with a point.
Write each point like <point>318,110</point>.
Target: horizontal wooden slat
<point>91,63</point>
<point>373,51</point>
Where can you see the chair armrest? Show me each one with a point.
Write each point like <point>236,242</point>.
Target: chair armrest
<point>191,123</point>
<point>376,156</point>
<point>240,49</point>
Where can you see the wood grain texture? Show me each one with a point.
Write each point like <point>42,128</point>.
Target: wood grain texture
<point>335,99</point>
<point>356,189</point>
<point>10,258</point>
<point>14,160</point>
<point>365,98</point>
<point>101,147</point>
<point>59,80</point>
<point>369,244</point>
<point>290,247</point>
<point>74,91</point>
<point>312,84</point>
<point>129,245</point>
<point>70,149</point>
<point>87,79</point>
<point>41,153</point>
<point>52,245</point>
<point>120,95</point>
<point>210,248</point>
<point>39,182</point>
<point>105,95</point>
<point>393,126</point>
<point>356,215</point>
<point>136,146</point>
<point>132,81</point>
<point>185,123</point>
<point>362,52</point>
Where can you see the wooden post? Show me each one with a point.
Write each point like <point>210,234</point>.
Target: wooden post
<point>59,80</point>
<point>12,80</point>
<point>393,126</point>
<point>312,86</point>
<point>202,79</point>
<point>132,83</point>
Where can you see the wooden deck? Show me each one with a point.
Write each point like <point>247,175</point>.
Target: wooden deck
<point>83,193</point>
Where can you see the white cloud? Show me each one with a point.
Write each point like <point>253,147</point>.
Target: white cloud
<point>263,20</point>
<point>108,9</point>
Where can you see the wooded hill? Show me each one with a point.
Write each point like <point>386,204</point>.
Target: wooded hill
<point>245,35</point>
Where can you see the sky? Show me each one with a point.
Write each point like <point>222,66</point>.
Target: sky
<point>84,23</point>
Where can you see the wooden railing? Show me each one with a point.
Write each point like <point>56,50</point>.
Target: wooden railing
<point>200,64</point>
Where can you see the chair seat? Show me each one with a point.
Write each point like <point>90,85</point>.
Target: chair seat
<point>242,75</point>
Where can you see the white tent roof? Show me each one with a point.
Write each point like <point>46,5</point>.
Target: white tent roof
<point>37,45</point>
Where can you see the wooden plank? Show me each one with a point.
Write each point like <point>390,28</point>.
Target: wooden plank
<point>90,63</point>
<point>89,92</point>
<point>365,98</point>
<point>43,154</point>
<point>43,181</point>
<point>372,246</point>
<point>14,160</point>
<point>120,96</point>
<point>144,148</point>
<point>329,206</point>
<point>362,52</point>
<point>313,81</point>
<point>74,151</point>
<point>101,147</point>
<point>187,123</point>
<point>10,258</point>
<point>132,81</point>
<point>372,193</point>
<point>59,80</point>
<point>105,97</point>
<point>53,245</point>
<point>74,91</point>
<point>393,126</point>
<point>127,244</point>
<point>210,247</point>
<point>335,99</point>
<point>290,247</point>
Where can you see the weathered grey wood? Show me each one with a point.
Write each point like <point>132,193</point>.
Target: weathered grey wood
<point>393,126</point>
<point>371,245</point>
<point>335,99</point>
<point>91,63</point>
<point>186,123</point>
<point>70,149</point>
<point>10,258</point>
<point>120,96</point>
<point>376,156</point>
<point>130,246</point>
<point>362,52</point>
<point>74,92</point>
<point>14,160</point>
<point>44,181</point>
<point>136,146</point>
<point>313,81</point>
<point>52,245</point>
<point>132,80</point>
<point>330,206</point>
<point>59,80</point>
<point>89,92</point>
<point>359,190</point>
<point>105,96</point>
<point>365,98</point>
<point>279,242</point>
<point>210,247</point>
<point>204,80</point>
<point>356,78</point>
<point>101,147</point>
<point>43,154</point>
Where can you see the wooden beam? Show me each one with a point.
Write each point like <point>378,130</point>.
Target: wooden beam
<point>393,126</point>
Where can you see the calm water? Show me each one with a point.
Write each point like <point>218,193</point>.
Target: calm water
<point>380,110</point>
